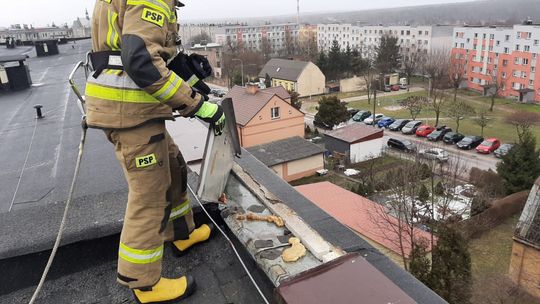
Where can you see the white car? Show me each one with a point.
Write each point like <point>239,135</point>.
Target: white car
<point>435,154</point>
<point>369,120</point>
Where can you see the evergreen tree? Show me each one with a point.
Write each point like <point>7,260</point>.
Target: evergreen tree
<point>335,61</point>
<point>423,194</point>
<point>322,63</point>
<point>420,265</point>
<point>347,60</point>
<point>295,101</point>
<point>439,189</point>
<point>388,56</point>
<point>267,80</point>
<point>451,267</point>
<point>358,64</point>
<point>331,111</point>
<point>521,166</point>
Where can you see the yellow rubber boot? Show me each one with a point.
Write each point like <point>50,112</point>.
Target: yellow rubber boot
<point>166,291</point>
<point>198,235</point>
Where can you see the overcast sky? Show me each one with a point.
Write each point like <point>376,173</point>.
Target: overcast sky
<point>43,12</point>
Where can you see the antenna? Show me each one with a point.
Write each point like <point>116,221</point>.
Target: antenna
<point>298,12</point>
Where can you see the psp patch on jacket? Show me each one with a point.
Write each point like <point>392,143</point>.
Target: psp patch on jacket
<point>153,16</point>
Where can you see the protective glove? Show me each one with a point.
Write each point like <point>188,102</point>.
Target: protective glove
<point>193,69</point>
<point>213,114</point>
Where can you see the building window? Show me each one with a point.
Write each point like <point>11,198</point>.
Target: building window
<point>517,47</point>
<point>275,113</point>
<point>507,38</point>
<point>525,61</point>
<point>536,42</point>
<point>527,48</point>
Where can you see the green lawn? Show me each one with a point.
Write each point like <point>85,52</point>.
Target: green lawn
<point>490,253</point>
<point>385,104</point>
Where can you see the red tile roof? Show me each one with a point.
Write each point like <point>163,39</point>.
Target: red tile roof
<point>360,214</point>
<point>355,133</point>
<point>247,105</point>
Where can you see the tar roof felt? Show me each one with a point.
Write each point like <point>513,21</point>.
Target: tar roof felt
<point>359,213</point>
<point>285,150</point>
<point>283,69</point>
<point>247,105</point>
<point>356,132</point>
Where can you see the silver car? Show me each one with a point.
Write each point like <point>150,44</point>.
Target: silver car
<point>435,154</point>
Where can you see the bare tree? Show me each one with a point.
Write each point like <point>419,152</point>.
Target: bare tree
<point>495,87</point>
<point>266,48</point>
<point>370,78</point>
<point>482,120</point>
<point>415,104</point>
<point>459,110</point>
<point>457,71</point>
<point>523,121</point>
<point>437,66</point>
<point>412,63</point>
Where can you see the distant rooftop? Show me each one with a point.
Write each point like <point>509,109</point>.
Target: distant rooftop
<point>247,105</point>
<point>356,133</point>
<point>284,69</point>
<point>359,213</point>
<point>285,150</point>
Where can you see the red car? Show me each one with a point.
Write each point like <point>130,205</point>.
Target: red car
<point>489,145</point>
<point>424,130</point>
<point>395,87</point>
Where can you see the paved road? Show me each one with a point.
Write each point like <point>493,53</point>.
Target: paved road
<point>383,94</point>
<point>39,155</point>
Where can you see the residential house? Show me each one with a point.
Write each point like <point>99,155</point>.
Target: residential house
<point>291,158</point>
<point>303,77</point>
<point>367,218</point>
<point>357,141</point>
<point>265,115</point>
<point>82,27</point>
<point>524,270</point>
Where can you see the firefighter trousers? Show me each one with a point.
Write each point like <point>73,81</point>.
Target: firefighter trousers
<point>157,209</point>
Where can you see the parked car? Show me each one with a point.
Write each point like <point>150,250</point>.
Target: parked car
<point>385,122</point>
<point>370,120</point>
<point>352,112</point>
<point>489,145</point>
<point>411,127</point>
<point>438,134</point>
<point>403,86</point>
<point>398,124</point>
<point>361,115</point>
<point>470,142</point>
<point>401,144</point>
<point>452,138</point>
<point>503,150</point>
<point>387,88</point>
<point>395,87</point>
<point>218,93</point>
<point>434,154</point>
<point>424,130</point>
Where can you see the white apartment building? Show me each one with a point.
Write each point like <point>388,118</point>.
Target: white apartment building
<point>367,38</point>
<point>27,33</point>
<point>189,30</point>
<point>251,37</point>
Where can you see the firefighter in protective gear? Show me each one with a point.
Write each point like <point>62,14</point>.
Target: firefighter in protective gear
<point>130,95</point>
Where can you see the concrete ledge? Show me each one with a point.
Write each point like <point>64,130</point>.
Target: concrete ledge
<point>35,229</point>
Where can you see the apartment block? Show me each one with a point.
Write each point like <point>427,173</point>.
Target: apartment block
<point>254,37</point>
<point>367,38</point>
<point>503,57</point>
<point>26,33</point>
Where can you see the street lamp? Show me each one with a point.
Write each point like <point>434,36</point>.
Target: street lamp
<point>242,68</point>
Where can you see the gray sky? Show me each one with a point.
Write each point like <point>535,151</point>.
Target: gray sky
<point>41,12</point>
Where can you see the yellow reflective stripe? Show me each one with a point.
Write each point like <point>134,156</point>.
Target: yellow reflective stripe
<point>112,34</point>
<point>138,256</point>
<point>170,87</point>
<point>193,80</point>
<point>155,4</point>
<point>120,95</point>
<point>180,210</point>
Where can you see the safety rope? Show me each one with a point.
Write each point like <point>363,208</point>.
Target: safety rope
<point>64,217</point>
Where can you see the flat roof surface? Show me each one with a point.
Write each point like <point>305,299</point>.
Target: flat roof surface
<point>10,58</point>
<point>356,132</point>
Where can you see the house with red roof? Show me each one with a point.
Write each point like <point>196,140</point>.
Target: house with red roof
<point>265,115</point>
<point>367,218</point>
